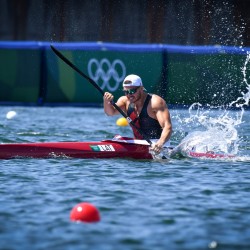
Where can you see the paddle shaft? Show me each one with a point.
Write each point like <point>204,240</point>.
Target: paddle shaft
<point>101,91</point>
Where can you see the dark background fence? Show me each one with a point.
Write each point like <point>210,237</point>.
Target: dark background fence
<point>209,74</point>
<point>183,22</point>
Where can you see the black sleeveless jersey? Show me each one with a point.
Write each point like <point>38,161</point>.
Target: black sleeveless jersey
<point>149,126</point>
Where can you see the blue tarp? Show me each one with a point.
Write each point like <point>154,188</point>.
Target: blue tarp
<point>125,47</point>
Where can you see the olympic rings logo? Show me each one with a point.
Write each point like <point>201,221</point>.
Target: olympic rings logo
<point>105,74</point>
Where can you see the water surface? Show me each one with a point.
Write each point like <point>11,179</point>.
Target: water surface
<point>172,204</point>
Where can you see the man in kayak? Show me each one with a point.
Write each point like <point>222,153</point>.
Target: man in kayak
<point>148,111</point>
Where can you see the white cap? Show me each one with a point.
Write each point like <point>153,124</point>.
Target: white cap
<point>132,81</point>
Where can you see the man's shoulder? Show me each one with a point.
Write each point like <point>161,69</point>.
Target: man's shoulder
<point>157,102</point>
<point>157,98</point>
<point>123,98</point>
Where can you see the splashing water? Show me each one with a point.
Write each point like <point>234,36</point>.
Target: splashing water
<point>217,133</point>
<point>245,96</point>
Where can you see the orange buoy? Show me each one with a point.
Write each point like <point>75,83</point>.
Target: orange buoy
<point>85,212</point>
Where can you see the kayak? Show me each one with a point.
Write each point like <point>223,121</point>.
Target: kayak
<point>118,147</point>
<point>101,149</point>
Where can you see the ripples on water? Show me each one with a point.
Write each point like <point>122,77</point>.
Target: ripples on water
<point>175,204</point>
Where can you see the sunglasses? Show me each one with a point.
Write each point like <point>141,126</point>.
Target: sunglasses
<point>130,91</point>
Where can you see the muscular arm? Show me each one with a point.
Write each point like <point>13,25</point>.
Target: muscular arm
<point>163,117</point>
<point>161,112</point>
<point>109,108</point>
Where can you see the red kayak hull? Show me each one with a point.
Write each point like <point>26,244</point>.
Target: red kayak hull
<point>103,149</point>
<point>209,155</point>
